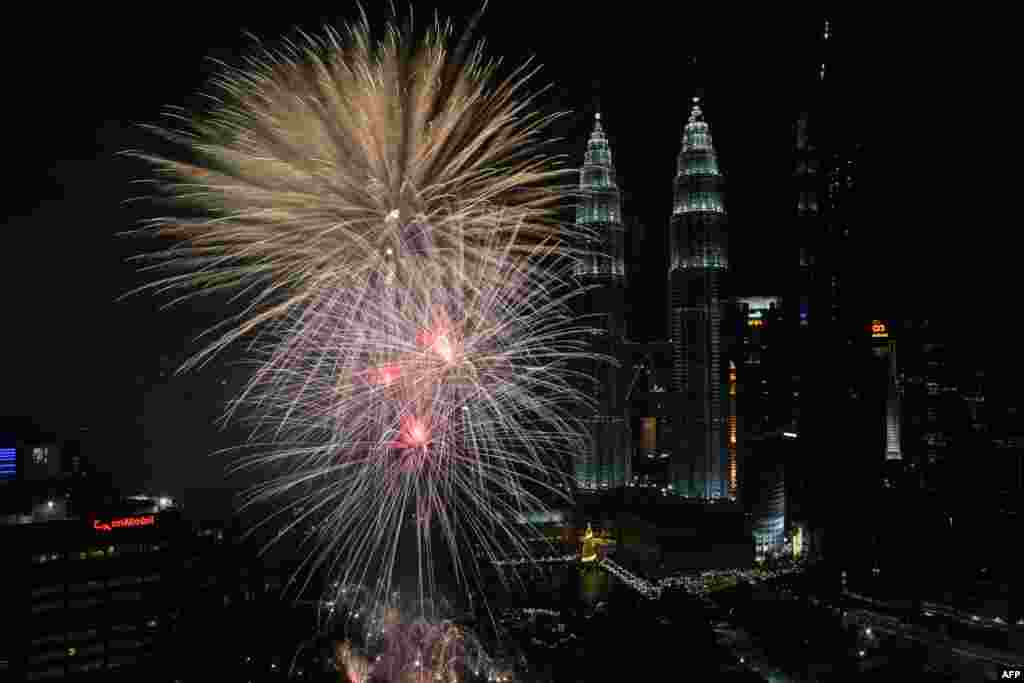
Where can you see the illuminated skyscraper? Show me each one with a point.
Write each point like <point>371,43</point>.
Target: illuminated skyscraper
<point>608,462</point>
<point>698,260</point>
<point>600,211</point>
<point>885,347</point>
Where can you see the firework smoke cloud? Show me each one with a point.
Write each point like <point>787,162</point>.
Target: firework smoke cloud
<point>388,212</point>
<point>377,638</point>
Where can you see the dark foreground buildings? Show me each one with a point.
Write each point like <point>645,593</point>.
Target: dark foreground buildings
<point>105,587</point>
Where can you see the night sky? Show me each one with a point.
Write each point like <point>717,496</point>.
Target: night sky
<point>77,357</point>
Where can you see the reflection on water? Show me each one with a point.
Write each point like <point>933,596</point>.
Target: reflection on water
<point>570,585</point>
<point>595,585</point>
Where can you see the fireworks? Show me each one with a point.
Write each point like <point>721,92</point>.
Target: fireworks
<point>382,640</point>
<point>449,404</point>
<point>389,212</point>
<point>326,159</point>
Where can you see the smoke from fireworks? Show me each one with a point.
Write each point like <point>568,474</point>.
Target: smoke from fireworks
<point>387,208</point>
<point>378,639</point>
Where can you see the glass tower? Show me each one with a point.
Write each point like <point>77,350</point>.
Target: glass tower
<point>607,463</point>
<point>599,212</point>
<point>698,260</point>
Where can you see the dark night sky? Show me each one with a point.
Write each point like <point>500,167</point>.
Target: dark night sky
<point>77,357</point>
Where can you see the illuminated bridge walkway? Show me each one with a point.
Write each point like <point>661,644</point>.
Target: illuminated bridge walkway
<point>549,559</point>
<point>694,584</point>
<point>641,585</point>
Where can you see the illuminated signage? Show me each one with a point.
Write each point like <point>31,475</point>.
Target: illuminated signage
<point>879,330</point>
<point>8,463</point>
<point>124,523</point>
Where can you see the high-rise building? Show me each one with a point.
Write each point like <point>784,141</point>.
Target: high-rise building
<point>766,403</point>
<point>885,348</point>
<point>764,495</point>
<point>599,213</point>
<point>962,444</point>
<point>93,594</point>
<point>823,299</point>
<point>698,261</point>
<point>602,270</point>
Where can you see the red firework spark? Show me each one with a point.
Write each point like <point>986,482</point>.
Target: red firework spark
<point>385,375</point>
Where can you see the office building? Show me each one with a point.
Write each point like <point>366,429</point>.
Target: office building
<point>93,595</point>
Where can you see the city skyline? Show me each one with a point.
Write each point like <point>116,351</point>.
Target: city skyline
<point>80,342</point>
<point>815,398</point>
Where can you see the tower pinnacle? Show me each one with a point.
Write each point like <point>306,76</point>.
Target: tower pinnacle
<point>599,208</point>
<point>695,114</point>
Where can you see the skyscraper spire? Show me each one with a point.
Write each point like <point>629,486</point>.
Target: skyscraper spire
<point>599,209</point>
<point>698,180</point>
<point>694,77</point>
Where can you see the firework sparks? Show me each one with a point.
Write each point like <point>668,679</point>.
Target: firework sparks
<point>380,640</point>
<point>465,422</point>
<point>340,153</point>
<point>389,211</point>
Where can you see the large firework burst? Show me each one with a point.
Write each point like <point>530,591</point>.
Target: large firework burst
<point>323,158</point>
<point>388,209</point>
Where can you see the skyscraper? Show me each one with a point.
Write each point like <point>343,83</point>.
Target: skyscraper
<point>823,301</point>
<point>599,211</point>
<point>602,270</point>
<point>698,261</point>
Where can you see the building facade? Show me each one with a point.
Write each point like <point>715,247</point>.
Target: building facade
<point>698,302</point>
<point>98,594</point>
<point>823,303</point>
<point>601,270</point>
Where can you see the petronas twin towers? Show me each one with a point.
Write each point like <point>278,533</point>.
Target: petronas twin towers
<point>698,261</point>
<point>608,463</point>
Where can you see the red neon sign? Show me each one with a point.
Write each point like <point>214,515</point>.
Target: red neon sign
<point>124,523</point>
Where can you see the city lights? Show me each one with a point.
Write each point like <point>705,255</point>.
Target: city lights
<point>410,267</point>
